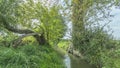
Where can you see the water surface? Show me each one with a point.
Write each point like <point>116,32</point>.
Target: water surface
<point>75,62</point>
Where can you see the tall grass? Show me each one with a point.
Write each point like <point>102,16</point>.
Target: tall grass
<point>29,56</point>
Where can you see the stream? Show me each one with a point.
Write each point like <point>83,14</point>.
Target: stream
<point>67,61</point>
<point>72,61</point>
<point>75,62</point>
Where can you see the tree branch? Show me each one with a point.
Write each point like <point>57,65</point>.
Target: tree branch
<point>41,39</point>
<point>19,40</point>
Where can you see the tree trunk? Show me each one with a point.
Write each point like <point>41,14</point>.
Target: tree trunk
<point>40,38</point>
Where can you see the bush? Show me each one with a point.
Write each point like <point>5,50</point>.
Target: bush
<point>94,43</point>
<point>112,58</point>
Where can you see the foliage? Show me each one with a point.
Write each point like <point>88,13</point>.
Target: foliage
<point>34,16</point>
<point>83,15</point>
<point>111,58</point>
<point>64,44</point>
<point>7,40</point>
<point>29,56</point>
<point>20,15</point>
<point>92,42</point>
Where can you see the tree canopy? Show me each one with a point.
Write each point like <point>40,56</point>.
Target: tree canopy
<point>91,41</point>
<point>24,17</point>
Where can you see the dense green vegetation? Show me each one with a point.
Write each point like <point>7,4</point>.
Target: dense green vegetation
<point>64,44</point>
<point>32,17</point>
<point>30,56</point>
<point>29,30</point>
<point>93,42</point>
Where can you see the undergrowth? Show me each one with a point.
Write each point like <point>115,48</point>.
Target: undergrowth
<point>30,56</point>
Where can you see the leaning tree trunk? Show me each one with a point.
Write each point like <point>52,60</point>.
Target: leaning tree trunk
<point>40,38</point>
<point>18,41</point>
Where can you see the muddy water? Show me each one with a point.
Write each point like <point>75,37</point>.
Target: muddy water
<point>74,62</point>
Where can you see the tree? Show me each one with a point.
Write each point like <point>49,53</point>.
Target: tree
<point>90,40</point>
<point>25,17</point>
<point>84,15</point>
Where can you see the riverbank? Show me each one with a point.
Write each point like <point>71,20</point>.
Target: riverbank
<point>65,56</point>
<point>76,62</point>
<point>72,61</point>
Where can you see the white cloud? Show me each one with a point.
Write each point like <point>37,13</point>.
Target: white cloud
<point>115,24</point>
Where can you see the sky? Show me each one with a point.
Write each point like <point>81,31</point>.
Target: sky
<point>114,24</point>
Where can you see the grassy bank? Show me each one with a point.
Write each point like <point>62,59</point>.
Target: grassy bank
<point>64,44</point>
<point>30,56</point>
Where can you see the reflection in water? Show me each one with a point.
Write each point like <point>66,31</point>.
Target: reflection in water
<point>74,62</point>
<point>67,61</point>
<point>79,63</point>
